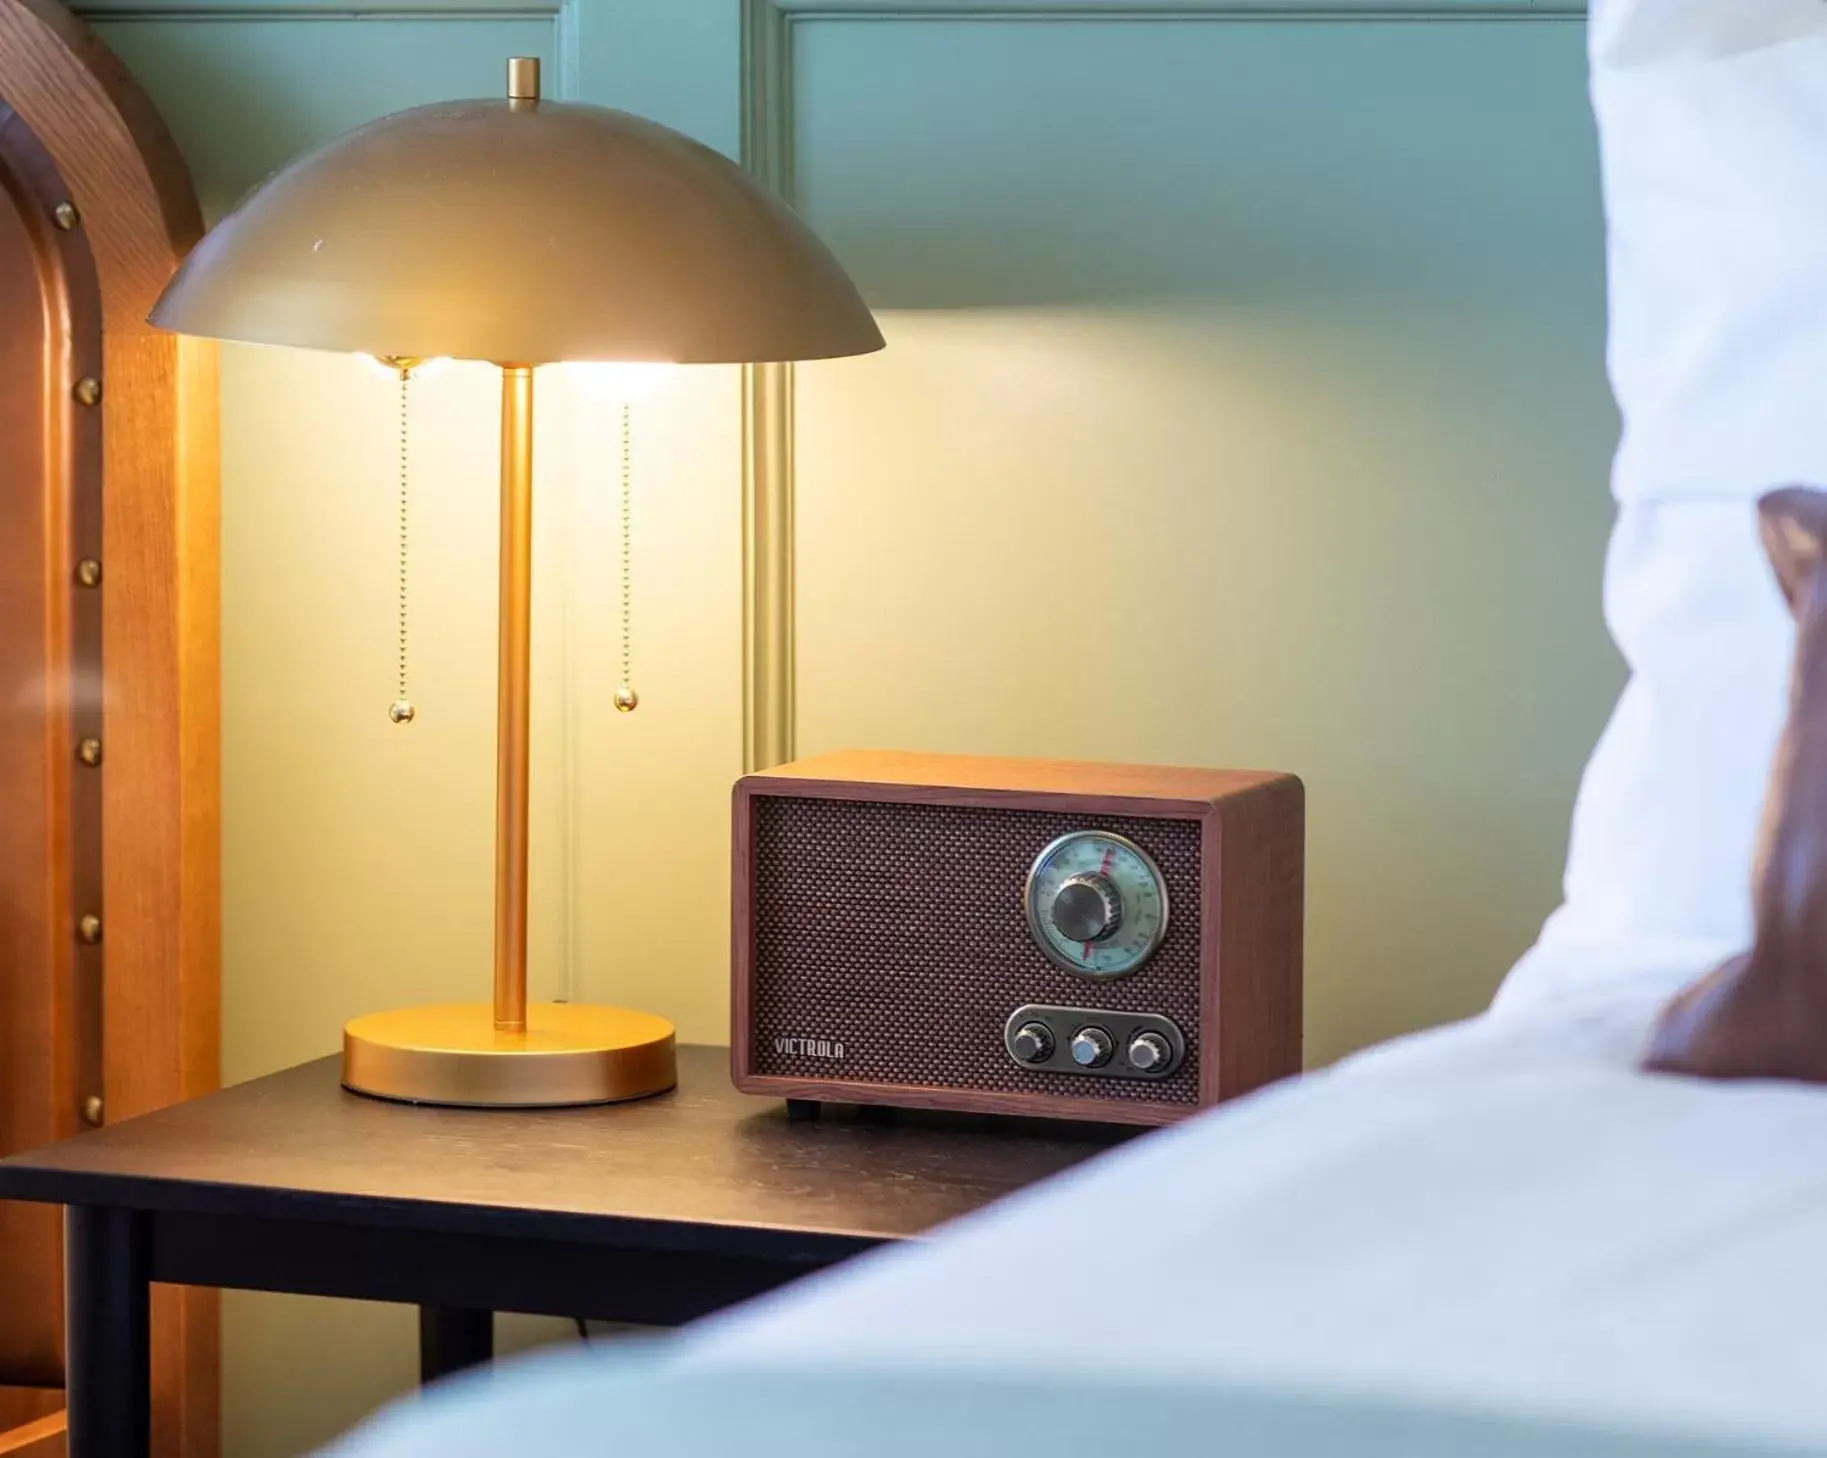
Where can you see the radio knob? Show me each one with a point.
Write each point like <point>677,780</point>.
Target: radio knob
<point>1149,1053</point>
<point>1091,1047</point>
<point>1032,1043</point>
<point>1087,908</point>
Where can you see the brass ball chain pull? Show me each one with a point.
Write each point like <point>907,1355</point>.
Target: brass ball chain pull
<point>401,710</point>
<point>626,699</point>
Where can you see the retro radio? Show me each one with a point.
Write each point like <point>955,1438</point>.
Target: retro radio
<point>1085,941</point>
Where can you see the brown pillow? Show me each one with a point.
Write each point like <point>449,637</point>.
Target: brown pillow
<point>1763,1014</point>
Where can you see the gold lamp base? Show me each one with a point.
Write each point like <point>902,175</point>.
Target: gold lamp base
<point>454,1054</point>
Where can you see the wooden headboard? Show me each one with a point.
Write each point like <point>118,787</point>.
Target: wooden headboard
<point>109,777</point>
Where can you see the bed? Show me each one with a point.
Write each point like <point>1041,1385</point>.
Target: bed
<point>1493,1238</point>
<point>108,862</point>
<point>1501,1237</point>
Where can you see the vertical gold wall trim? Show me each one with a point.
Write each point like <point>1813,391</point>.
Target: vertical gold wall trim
<point>769,710</point>
<point>768,706</point>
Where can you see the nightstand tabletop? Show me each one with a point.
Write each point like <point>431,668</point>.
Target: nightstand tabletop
<point>656,1212</point>
<point>700,1168</point>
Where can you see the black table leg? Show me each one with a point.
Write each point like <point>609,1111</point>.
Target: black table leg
<point>107,1292</point>
<point>452,1338</point>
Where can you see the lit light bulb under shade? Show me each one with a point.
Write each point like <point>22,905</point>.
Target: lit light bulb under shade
<point>617,380</point>
<point>422,370</point>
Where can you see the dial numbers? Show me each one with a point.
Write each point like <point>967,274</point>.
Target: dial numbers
<point>1121,871</point>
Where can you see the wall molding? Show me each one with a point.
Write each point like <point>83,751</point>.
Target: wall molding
<point>1134,10</point>
<point>769,669</point>
<point>337,10</point>
<point>769,648</point>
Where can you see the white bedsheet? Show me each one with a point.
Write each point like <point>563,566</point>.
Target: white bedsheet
<point>1500,1216</point>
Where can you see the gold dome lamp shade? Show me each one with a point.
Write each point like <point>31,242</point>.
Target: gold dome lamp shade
<point>522,232</point>
<point>519,231</point>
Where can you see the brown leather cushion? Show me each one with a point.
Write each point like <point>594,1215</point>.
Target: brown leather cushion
<point>1763,1014</point>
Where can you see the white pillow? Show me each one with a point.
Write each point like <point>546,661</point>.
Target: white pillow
<point>1713,133</point>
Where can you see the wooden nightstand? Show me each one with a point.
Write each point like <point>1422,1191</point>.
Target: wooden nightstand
<point>656,1212</point>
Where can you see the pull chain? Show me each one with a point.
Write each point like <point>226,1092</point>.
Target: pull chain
<point>626,699</point>
<point>402,711</point>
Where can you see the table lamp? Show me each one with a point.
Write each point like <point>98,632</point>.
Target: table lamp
<point>521,232</point>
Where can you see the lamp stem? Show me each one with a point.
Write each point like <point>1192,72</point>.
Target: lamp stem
<point>513,723</point>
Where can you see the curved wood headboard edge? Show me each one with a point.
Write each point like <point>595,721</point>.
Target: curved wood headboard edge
<point>161,664</point>
<point>169,173</point>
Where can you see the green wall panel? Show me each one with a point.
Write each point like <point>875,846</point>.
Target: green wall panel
<point>1244,405</point>
<point>244,94</point>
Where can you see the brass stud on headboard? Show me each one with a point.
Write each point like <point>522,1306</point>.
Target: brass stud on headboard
<point>92,1111</point>
<point>88,391</point>
<point>89,751</point>
<point>65,216</point>
<point>89,928</point>
<point>88,572</point>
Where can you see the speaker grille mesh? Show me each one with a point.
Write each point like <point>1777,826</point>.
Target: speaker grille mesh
<point>898,931</point>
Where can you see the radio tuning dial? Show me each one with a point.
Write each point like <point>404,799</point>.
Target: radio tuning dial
<point>1032,1043</point>
<point>1091,1048</point>
<point>1087,908</point>
<point>1096,904</point>
<point>1149,1053</point>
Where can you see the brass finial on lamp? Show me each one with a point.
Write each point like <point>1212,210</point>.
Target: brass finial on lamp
<point>522,232</point>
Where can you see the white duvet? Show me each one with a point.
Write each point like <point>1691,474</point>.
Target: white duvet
<point>1499,1217</point>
